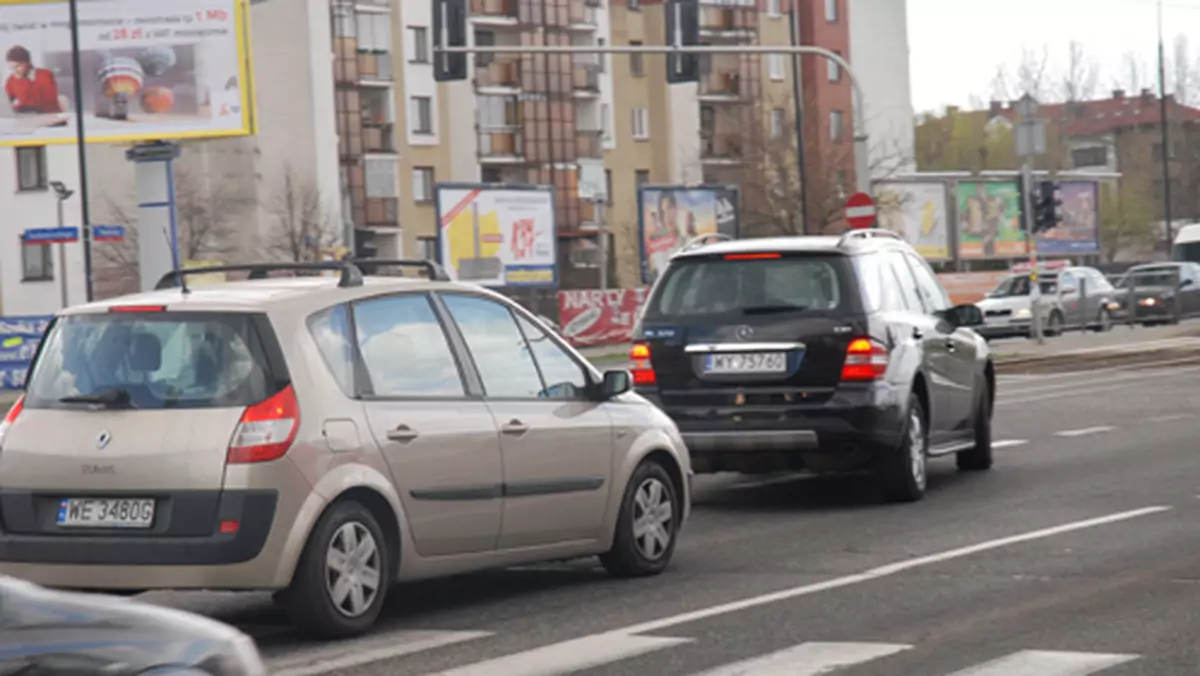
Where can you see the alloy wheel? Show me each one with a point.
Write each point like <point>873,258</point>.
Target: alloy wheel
<point>916,448</point>
<point>353,569</point>
<point>653,519</point>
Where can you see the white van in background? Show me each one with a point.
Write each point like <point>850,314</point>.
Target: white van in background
<point>1186,246</point>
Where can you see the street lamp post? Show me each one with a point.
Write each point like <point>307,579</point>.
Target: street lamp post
<point>62,194</point>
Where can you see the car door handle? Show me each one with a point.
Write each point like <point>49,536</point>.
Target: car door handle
<point>514,427</point>
<point>950,345</point>
<point>403,433</point>
<point>918,333</point>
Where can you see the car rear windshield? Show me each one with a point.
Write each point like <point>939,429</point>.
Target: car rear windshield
<point>156,360</point>
<point>695,287</point>
<point>1168,276</point>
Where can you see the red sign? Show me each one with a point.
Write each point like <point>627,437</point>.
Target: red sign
<point>590,318</point>
<point>860,210</point>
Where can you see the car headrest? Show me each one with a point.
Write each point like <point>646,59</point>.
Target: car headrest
<point>145,353</point>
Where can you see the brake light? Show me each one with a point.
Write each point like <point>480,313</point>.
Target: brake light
<point>866,360</point>
<point>643,372</point>
<point>11,418</point>
<point>752,256</point>
<point>138,308</point>
<point>266,430</point>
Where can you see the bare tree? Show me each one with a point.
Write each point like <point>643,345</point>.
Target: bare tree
<point>204,210</point>
<point>1081,77</point>
<point>1032,73</point>
<point>301,228</point>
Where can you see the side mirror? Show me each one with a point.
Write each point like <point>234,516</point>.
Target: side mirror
<point>964,315</point>
<point>615,384</point>
<point>1185,283</point>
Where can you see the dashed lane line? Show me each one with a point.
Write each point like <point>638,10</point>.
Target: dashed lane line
<point>1086,431</point>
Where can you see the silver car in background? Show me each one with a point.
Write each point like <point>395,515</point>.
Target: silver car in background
<point>1071,298</point>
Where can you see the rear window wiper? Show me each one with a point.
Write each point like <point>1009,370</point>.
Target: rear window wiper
<point>113,397</point>
<point>772,309</point>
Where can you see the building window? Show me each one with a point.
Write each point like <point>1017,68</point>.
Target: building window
<point>485,39</point>
<point>641,124</point>
<point>636,67</point>
<point>775,66</point>
<point>778,119</point>
<point>31,169</point>
<point>641,177</point>
<point>420,43</point>
<point>608,185</point>
<point>428,247</point>
<point>374,32</point>
<point>380,177</point>
<point>344,25</point>
<point>422,184</point>
<point>773,9</point>
<point>1090,157</point>
<point>37,262</point>
<point>831,11</point>
<point>836,124</point>
<point>833,71</point>
<point>499,112</point>
<point>633,4</point>
<point>422,115</point>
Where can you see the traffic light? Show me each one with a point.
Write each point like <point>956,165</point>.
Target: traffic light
<point>365,247</point>
<point>449,30</point>
<point>683,23</point>
<point>1046,203</point>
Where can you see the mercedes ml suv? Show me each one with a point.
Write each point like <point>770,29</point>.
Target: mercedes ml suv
<point>827,354</point>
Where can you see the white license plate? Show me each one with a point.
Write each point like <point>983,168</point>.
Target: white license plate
<point>750,362</point>
<point>106,512</point>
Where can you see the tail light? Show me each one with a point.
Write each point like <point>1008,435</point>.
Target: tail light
<point>266,430</point>
<point>866,360</point>
<point>643,372</point>
<point>11,418</point>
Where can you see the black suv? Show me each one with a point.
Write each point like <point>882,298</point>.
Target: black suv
<point>829,354</point>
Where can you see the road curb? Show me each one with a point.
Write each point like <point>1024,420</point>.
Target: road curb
<point>1089,360</point>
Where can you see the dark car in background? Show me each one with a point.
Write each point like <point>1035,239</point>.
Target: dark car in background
<point>824,354</point>
<point>1158,293</point>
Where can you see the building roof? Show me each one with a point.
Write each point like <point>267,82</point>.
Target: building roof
<point>1104,116</point>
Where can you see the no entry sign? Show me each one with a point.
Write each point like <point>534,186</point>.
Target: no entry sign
<point>860,210</point>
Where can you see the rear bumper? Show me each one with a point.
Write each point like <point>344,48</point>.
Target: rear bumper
<point>186,533</point>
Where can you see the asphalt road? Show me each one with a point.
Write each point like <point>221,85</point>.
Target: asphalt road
<point>1078,554</point>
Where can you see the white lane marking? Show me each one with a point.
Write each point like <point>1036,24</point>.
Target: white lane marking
<point>1085,432</point>
<point>808,659</point>
<point>1009,443</point>
<point>357,653</point>
<point>884,571</point>
<point>569,656</point>
<point>1047,663</point>
<point>1170,418</point>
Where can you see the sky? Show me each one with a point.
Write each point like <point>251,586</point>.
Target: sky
<point>957,45</point>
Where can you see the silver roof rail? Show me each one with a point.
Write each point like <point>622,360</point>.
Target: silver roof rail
<point>867,233</point>
<point>701,240</point>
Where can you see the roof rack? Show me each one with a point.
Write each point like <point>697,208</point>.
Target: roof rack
<point>867,233</point>
<point>350,274</point>
<point>702,240</point>
<point>436,272</point>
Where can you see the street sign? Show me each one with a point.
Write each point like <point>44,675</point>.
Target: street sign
<point>860,210</point>
<point>108,233</point>
<point>1027,107</point>
<point>37,236</point>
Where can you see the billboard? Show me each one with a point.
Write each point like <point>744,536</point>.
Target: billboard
<point>151,70</point>
<point>916,212</point>
<point>1079,231</point>
<point>669,216</point>
<point>497,236</point>
<point>19,338</point>
<point>989,220</point>
<point>593,318</point>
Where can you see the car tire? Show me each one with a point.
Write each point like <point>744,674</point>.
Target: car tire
<point>902,474</point>
<point>1104,322</point>
<point>978,458</point>
<point>1054,326</point>
<point>312,600</point>
<point>650,505</point>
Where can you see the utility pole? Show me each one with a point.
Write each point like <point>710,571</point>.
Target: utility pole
<point>85,231</point>
<point>1031,140</point>
<point>798,103</point>
<point>1166,134</point>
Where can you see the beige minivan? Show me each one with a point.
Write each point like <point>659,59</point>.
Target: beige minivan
<point>324,437</point>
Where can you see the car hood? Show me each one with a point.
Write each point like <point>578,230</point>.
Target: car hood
<point>1006,303</point>
<point>93,633</point>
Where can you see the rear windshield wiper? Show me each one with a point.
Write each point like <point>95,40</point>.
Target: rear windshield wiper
<point>772,309</point>
<point>113,397</point>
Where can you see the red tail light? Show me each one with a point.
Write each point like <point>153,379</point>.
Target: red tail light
<point>266,430</point>
<point>866,360</point>
<point>643,372</point>
<point>138,308</point>
<point>752,256</point>
<point>11,418</point>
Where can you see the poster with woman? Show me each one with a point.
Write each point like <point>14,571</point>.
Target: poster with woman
<point>672,216</point>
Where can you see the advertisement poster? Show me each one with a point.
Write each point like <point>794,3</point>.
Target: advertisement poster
<point>19,338</point>
<point>989,220</point>
<point>671,216</point>
<point>151,70</point>
<point>591,318</point>
<point>497,237</point>
<point>916,212</point>
<point>1079,231</point>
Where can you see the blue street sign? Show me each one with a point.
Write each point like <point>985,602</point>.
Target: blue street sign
<point>108,233</point>
<point>50,236</point>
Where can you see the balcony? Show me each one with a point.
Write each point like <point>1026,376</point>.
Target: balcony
<point>588,143</point>
<point>583,18</point>
<point>375,69</point>
<point>721,148</point>
<point>373,5</point>
<point>496,12</point>
<point>379,137</point>
<point>499,75</point>
<point>727,22</point>
<point>501,146</point>
<point>721,86</point>
<point>587,80</point>
<point>383,211</point>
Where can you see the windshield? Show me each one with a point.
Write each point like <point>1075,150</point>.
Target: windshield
<point>152,360</point>
<point>705,286</point>
<point>1019,286</point>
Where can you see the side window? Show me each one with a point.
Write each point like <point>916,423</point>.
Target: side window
<point>564,378</point>
<point>330,330</point>
<point>405,349</point>
<point>501,354</point>
<point>906,285</point>
<point>928,286</point>
<point>880,288</point>
<point>1067,283</point>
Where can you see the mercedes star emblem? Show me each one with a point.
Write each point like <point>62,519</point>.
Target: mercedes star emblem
<point>103,439</point>
<point>744,332</point>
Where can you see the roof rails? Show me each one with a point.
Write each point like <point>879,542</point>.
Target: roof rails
<point>702,240</point>
<point>367,265</point>
<point>867,233</point>
<point>351,275</point>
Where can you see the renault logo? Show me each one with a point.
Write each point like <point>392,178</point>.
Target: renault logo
<point>744,332</point>
<point>102,440</point>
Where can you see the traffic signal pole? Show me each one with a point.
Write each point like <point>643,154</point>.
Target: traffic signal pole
<point>1035,286</point>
